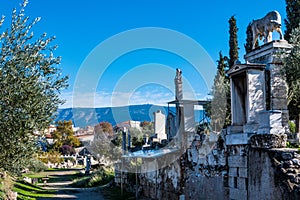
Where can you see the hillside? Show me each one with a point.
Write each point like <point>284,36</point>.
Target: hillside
<point>83,117</point>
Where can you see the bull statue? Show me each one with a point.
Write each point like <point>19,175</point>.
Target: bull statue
<point>265,26</point>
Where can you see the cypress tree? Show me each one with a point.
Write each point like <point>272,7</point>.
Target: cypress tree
<point>293,17</point>
<point>219,110</point>
<point>233,43</point>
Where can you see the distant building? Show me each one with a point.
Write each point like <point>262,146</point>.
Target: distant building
<point>130,124</point>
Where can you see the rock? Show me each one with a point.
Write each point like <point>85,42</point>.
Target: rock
<point>296,161</point>
<point>291,176</point>
<point>286,156</point>
<point>291,170</point>
<point>283,170</point>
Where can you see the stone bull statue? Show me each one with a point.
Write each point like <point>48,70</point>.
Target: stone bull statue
<point>265,26</point>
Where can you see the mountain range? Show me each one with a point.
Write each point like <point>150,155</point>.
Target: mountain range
<point>83,117</point>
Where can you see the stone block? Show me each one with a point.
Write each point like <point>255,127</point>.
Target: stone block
<point>236,139</point>
<point>231,181</point>
<point>233,171</point>
<point>241,183</point>
<point>237,161</point>
<point>234,129</point>
<point>237,194</point>
<point>251,128</point>
<point>279,103</point>
<point>243,172</point>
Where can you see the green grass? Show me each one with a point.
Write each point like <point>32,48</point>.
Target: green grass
<point>50,173</point>
<point>28,191</point>
<point>99,178</point>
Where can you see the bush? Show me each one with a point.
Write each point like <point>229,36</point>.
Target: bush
<point>67,150</point>
<point>292,127</point>
<point>36,166</point>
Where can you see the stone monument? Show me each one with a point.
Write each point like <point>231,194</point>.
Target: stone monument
<point>178,85</point>
<point>160,125</point>
<point>258,102</point>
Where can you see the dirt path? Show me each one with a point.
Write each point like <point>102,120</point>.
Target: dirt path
<point>63,183</point>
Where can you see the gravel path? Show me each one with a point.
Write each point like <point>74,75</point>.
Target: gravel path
<point>65,191</point>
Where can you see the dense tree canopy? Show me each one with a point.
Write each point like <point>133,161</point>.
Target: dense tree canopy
<point>220,109</point>
<point>293,17</point>
<point>291,70</point>
<point>30,83</point>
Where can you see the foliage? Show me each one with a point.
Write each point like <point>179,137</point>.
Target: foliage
<point>103,148</point>
<point>36,165</point>
<point>67,150</point>
<point>147,128</point>
<point>105,126</point>
<point>219,109</point>
<point>292,127</point>
<point>290,145</point>
<point>137,137</point>
<point>64,135</point>
<point>117,139</point>
<point>30,83</point>
<point>233,42</point>
<point>249,39</point>
<point>101,177</point>
<point>51,156</point>
<point>291,70</point>
<point>293,17</point>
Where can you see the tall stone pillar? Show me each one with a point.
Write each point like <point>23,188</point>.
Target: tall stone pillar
<point>276,115</point>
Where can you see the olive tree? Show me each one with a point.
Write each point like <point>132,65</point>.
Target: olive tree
<point>30,82</point>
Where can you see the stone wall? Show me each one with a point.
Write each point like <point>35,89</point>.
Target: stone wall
<point>226,172</point>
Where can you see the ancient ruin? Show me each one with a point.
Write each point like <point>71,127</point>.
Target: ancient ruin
<point>248,160</point>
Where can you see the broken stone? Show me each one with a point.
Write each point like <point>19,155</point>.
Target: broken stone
<point>296,161</point>
<point>286,156</point>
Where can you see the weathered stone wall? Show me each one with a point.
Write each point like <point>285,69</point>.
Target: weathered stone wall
<point>261,176</point>
<point>274,174</point>
<point>163,183</point>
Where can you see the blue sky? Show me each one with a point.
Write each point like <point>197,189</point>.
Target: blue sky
<point>141,74</point>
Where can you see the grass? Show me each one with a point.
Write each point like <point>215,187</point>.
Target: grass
<point>102,177</point>
<point>52,177</point>
<point>28,191</point>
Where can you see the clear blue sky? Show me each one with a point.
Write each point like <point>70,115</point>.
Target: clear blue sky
<point>81,26</point>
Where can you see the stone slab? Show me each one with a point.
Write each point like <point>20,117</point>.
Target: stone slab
<point>243,172</point>
<point>237,194</point>
<point>237,161</point>
<point>233,171</point>
<point>236,139</point>
<point>241,183</point>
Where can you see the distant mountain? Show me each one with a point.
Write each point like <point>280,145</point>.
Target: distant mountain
<point>82,117</point>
